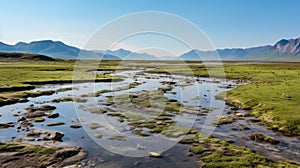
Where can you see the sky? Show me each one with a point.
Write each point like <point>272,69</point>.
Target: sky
<point>225,23</point>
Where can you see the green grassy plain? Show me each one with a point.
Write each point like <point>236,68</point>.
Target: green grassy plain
<point>17,77</point>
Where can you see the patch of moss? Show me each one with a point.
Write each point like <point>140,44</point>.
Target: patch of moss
<point>175,131</point>
<point>11,146</point>
<point>133,117</point>
<point>188,141</point>
<point>140,133</point>
<point>38,150</point>
<point>24,148</point>
<point>199,150</point>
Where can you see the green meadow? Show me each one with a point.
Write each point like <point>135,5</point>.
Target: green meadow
<point>17,77</point>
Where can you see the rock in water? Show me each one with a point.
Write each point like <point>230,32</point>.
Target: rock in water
<point>35,114</point>
<point>155,154</point>
<point>47,108</point>
<point>56,136</point>
<point>6,125</point>
<point>259,137</point>
<point>54,115</point>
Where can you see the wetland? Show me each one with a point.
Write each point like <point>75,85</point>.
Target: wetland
<point>142,114</point>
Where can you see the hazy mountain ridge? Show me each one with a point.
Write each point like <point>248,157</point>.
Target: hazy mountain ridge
<point>55,49</point>
<point>129,55</point>
<point>283,49</point>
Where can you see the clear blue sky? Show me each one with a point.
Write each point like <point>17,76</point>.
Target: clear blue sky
<point>227,23</point>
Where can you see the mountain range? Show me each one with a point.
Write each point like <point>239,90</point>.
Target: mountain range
<point>281,50</point>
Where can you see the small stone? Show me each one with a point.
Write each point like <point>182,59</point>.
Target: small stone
<point>46,138</point>
<point>139,147</point>
<point>155,155</point>
<point>75,126</point>
<point>243,127</point>
<point>98,135</point>
<point>259,137</point>
<point>47,108</point>
<point>56,136</point>
<point>6,125</point>
<point>190,154</point>
<point>240,114</point>
<point>229,141</point>
<point>55,124</point>
<point>35,114</point>
<point>54,115</point>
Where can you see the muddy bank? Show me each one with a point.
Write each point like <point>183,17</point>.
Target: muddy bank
<point>16,88</point>
<point>19,155</point>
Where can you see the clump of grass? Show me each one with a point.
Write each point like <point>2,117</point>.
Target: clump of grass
<point>188,141</point>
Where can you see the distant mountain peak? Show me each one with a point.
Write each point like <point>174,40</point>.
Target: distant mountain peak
<point>288,47</point>
<point>282,42</point>
<point>121,49</point>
